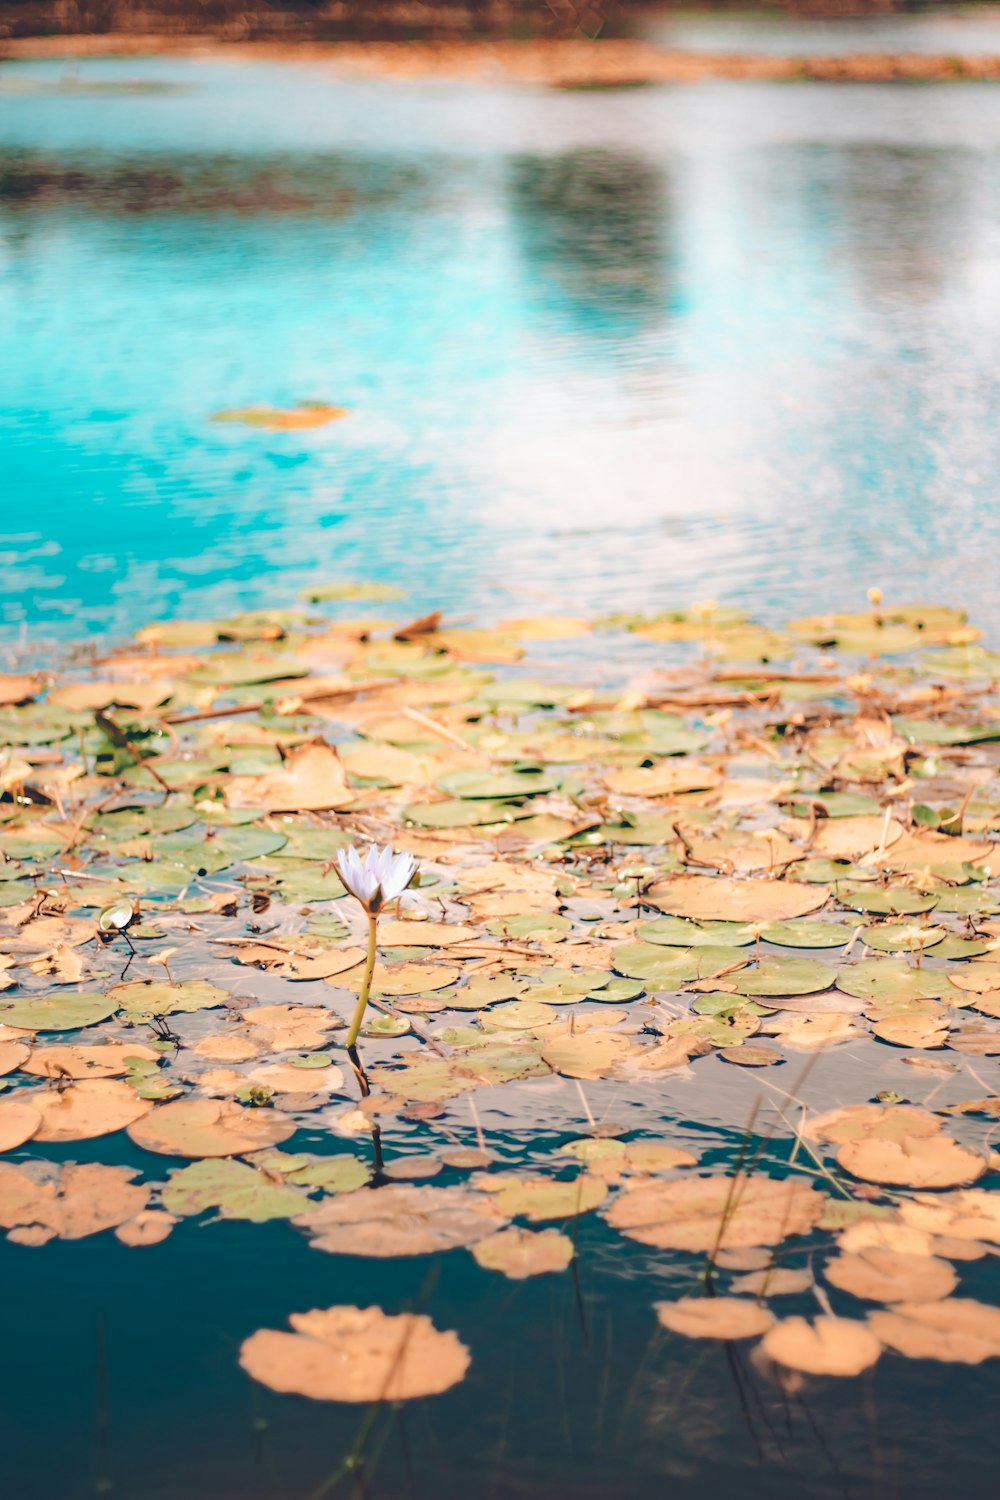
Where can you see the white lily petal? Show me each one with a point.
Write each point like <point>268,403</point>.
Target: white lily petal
<point>401,871</point>
<point>357,876</point>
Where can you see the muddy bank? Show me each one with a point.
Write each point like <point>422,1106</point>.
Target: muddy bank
<point>574,63</point>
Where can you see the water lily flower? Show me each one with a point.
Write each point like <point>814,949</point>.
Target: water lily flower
<point>375,879</point>
<point>378,878</point>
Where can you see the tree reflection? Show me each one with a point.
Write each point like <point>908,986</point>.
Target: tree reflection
<point>592,224</point>
<point>907,214</point>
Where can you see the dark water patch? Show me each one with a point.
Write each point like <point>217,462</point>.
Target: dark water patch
<point>324,186</point>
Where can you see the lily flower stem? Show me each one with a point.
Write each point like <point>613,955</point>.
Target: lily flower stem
<point>366,983</point>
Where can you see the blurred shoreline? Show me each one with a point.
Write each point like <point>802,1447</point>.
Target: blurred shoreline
<point>557,63</point>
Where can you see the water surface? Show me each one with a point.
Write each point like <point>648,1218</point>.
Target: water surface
<point>730,340</point>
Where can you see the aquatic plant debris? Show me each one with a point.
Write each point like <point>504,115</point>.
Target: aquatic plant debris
<point>283,419</point>
<point>697,843</point>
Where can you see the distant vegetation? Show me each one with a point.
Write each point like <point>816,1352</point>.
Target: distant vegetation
<point>332,19</point>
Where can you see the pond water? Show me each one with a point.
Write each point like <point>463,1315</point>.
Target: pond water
<point>600,350</point>
<point>730,341</point>
<point>954,30</point>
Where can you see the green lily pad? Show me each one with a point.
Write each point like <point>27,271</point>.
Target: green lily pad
<point>496,785</point>
<point>376,1025</point>
<point>208,853</point>
<point>668,968</point>
<point>972,902</point>
<point>890,938</point>
<point>33,841</point>
<point>519,693</point>
<point>955,947</point>
<point>785,976</point>
<point>238,1191</point>
<point>311,844</point>
<point>158,876</point>
<point>892,979</point>
<point>117,916</point>
<point>801,933</point>
<point>934,732</point>
<point>481,992</point>
<point>530,924</point>
<point>12,892</point>
<point>641,829</point>
<point>296,880</point>
<point>456,813</point>
<point>540,1198</point>
<point>152,999</point>
<point>678,932</point>
<point>57,1012</point>
<point>519,1015</point>
<point>823,871</point>
<point>885,901</point>
<point>727,1030</point>
<point>333,1174</point>
<point>230,667</point>
<point>727,1005</point>
<point>834,804</point>
<point>567,986</point>
<point>617,990</point>
<point>134,822</point>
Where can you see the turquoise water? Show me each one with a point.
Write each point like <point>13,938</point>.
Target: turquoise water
<point>732,341</point>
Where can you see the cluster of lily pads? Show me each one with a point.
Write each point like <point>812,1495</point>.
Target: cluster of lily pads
<point>755,845</point>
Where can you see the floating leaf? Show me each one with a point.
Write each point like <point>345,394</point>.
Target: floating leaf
<point>312,779</point>
<point>706,898</point>
<point>149,1227</point>
<point>856,1122</point>
<point>57,1012</point>
<point>209,1127</point>
<point>956,1330</point>
<point>828,1346</point>
<point>890,901</point>
<point>332,1174</point>
<point>283,419</point>
<point>806,934</point>
<point>712,1213</point>
<point>591,1055</point>
<point>356,1354</point>
<point>891,979</point>
<point>520,1253</point>
<point>540,1198</point>
<point>103,1060</point>
<point>92,1107</point>
<point>239,1191</point>
<point>912,1161</point>
<point>146,997</point>
<point>72,1203</point>
<point>714,1317</point>
<point>19,1120</point>
<point>784,976</point>
<point>400,1220</point>
<point>891,1276</point>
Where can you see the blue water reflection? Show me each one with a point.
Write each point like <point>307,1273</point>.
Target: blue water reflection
<point>732,340</point>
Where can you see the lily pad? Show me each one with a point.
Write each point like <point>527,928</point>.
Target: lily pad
<point>784,976</point>
<point>152,999</point>
<point>66,1012</point>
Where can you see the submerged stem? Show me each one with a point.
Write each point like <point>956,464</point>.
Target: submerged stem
<point>366,983</point>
